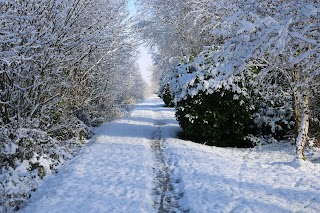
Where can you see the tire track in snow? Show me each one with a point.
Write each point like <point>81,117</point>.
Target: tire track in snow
<point>166,196</point>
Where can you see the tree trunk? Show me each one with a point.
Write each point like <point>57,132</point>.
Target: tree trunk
<point>302,138</point>
<point>4,88</point>
<point>297,104</point>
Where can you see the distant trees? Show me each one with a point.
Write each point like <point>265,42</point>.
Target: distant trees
<point>271,39</point>
<point>64,65</point>
<point>171,29</point>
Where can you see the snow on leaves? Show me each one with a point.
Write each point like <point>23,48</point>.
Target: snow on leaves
<point>273,38</point>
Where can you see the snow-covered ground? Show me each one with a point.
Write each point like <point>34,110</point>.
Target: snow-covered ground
<point>137,164</point>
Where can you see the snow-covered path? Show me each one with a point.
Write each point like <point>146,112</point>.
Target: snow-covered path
<point>114,173</point>
<point>137,164</point>
<point>166,194</point>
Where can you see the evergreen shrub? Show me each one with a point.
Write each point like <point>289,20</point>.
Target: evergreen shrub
<point>219,118</point>
<point>165,95</point>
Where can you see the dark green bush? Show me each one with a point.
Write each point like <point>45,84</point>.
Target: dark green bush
<point>166,96</point>
<point>216,119</point>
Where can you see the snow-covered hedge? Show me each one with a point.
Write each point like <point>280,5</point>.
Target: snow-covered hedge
<point>26,156</point>
<point>211,107</point>
<point>224,108</point>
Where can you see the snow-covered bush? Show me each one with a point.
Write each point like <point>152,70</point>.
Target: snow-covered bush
<point>216,110</point>
<point>211,103</point>
<point>164,94</point>
<point>26,156</point>
<point>273,114</point>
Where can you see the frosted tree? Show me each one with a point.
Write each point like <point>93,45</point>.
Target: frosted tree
<point>277,36</point>
<point>60,61</point>
<point>53,53</point>
<point>274,37</point>
<point>173,31</point>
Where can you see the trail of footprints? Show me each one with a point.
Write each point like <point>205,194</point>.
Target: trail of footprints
<point>166,197</point>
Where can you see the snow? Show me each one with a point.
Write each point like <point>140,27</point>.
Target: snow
<point>112,174</point>
<point>136,164</point>
<point>237,180</point>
